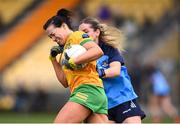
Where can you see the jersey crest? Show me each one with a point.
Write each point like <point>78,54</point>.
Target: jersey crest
<point>85,36</point>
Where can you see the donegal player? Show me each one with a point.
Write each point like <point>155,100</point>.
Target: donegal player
<point>88,100</point>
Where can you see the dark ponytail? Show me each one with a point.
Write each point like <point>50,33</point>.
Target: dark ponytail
<point>64,12</point>
<point>63,16</point>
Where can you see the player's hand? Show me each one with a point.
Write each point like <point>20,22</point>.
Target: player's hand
<point>68,62</point>
<point>101,65</point>
<point>55,50</point>
<point>102,62</point>
<point>101,72</point>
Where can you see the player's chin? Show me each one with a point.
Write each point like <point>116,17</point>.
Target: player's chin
<point>60,42</point>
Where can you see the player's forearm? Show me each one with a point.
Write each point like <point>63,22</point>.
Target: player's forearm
<point>59,73</point>
<point>91,55</point>
<point>112,72</point>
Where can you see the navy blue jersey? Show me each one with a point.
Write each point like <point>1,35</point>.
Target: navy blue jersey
<point>112,53</point>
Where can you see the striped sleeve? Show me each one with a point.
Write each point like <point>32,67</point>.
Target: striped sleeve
<point>85,40</point>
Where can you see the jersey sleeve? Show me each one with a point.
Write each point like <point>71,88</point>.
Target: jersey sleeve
<point>82,38</point>
<point>115,55</point>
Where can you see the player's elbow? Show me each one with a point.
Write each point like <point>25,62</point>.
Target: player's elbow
<point>65,85</point>
<point>117,72</point>
<point>99,51</point>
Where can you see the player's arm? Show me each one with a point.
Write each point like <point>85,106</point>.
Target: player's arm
<point>113,70</point>
<point>115,60</point>
<point>55,50</point>
<point>93,52</point>
<point>59,73</point>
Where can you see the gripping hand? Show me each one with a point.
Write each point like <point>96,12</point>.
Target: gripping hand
<point>101,72</point>
<point>68,62</point>
<point>101,65</point>
<point>102,62</point>
<point>55,50</point>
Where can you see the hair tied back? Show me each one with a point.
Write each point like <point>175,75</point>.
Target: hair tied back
<point>64,13</point>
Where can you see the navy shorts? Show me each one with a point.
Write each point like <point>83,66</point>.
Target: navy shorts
<point>125,110</point>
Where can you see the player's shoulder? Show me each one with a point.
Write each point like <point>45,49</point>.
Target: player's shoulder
<point>80,34</point>
<point>79,37</point>
<point>74,35</point>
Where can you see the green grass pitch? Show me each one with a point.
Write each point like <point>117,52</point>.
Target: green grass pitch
<point>12,117</point>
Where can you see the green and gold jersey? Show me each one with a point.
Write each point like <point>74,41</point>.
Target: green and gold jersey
<point>86,75</point>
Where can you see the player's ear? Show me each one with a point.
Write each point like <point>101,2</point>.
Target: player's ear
<point>64,25</point>
<point>97,32</point>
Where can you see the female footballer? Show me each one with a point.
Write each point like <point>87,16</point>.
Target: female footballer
<point>160,96</point>
<point>87,100</point>
<point>122,104</point>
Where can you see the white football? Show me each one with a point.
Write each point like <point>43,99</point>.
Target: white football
<point>75,51</point>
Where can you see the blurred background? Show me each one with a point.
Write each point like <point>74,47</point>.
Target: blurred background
<point>29,90</point>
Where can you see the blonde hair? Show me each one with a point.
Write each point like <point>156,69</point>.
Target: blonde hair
<point>108,34</point>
